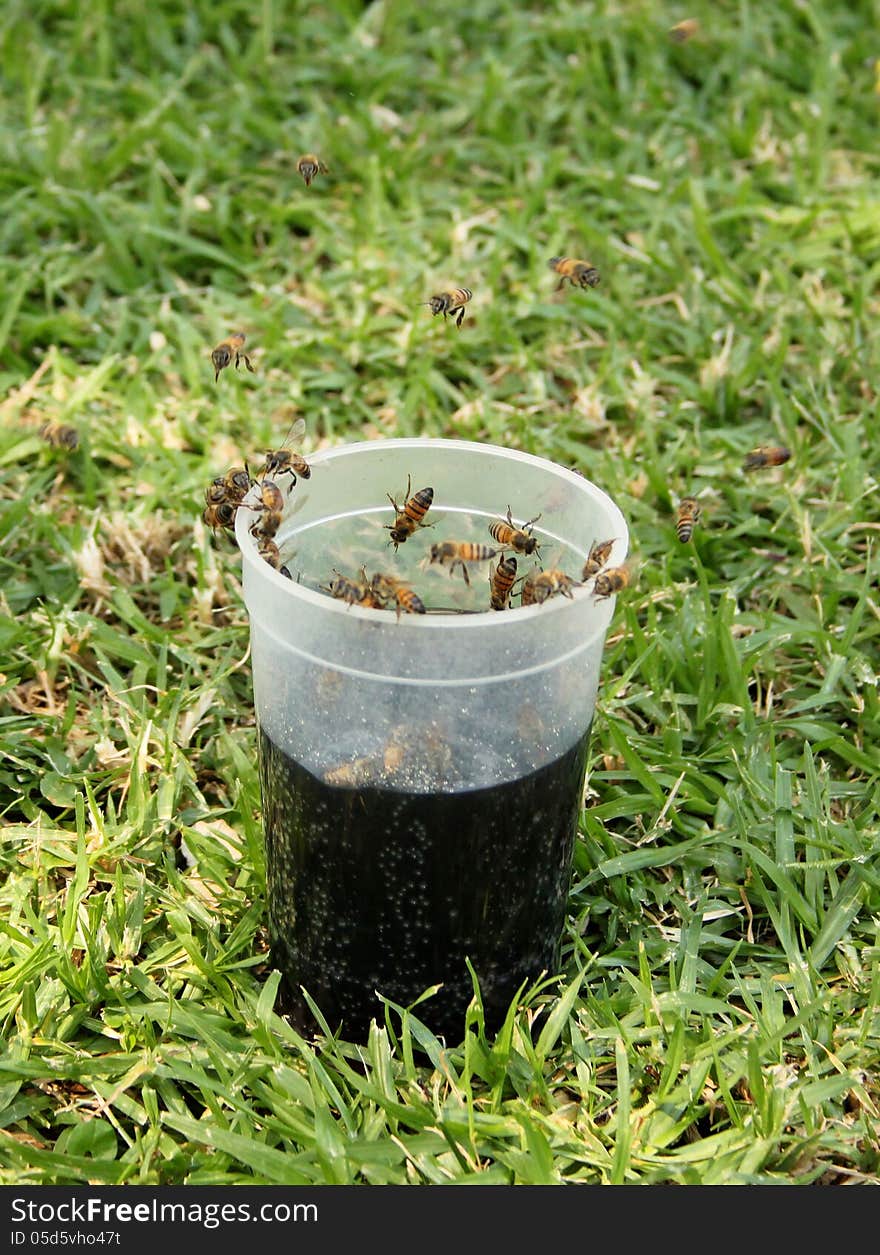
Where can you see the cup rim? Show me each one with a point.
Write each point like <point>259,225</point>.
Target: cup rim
<point>247,543</point>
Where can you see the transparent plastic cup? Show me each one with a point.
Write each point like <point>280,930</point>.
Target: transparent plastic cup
<point>422,774</point>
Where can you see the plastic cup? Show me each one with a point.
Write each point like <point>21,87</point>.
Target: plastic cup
<point>422,774</point>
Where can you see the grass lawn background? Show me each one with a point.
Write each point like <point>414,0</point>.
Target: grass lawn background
<point>716,1016</point>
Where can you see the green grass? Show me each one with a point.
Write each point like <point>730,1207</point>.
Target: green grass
<point>717,1015</point>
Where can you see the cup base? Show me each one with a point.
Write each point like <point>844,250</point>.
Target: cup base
<point>374,890</point>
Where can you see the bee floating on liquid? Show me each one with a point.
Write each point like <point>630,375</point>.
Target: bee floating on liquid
<point>308,166</point>
<point>446,303</point>
<point>372,769</point>
<point>230,350</point>
<point>574,270</point>
<point>354,775</point>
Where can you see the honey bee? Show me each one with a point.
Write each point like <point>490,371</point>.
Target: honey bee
<point>766,455</point>
<point>270,553</point>
<point>597,557</point>
<point>224,495</point>
<point>59,435</point>
<point>216,494</point>
<point>614,580</point>
<point>308,166</point>
<point>511,537</point>
<point>386,588</point>
<point>228,350</point>
<point>232,487</point>
<point>577,272</point>
<point>501,582</point>
<point>393,756</point>
<point>449,302</point>
<point>354,774</point>
<point>372,768</point>
<point>687,517</point>
<point>220,514</point>
<point>539,585</point>
<point>329,687</point>
<point>681,32</point>
<point>527,592</point>
<point>355,592</point>
<point>284,461</point>
<point>408,601</point>
<point>409,516</point>
<point>529,724</point>
<point>453,553</point>
<point>271,510</point>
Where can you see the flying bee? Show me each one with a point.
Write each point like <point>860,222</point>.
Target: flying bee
<point>220,514</point>
<point>577,272</point>
<point>681,32</point>
<point>229,350</point>
<point>284,461</point>
<point>355,592</point>
<point>409,516</point>
<point>509,536</point>
<point>539,585</point>
<point>386,588</point>
<point>453,553</point>
<point>270,553</point>
<point>308,166</point>
<point>766,455</point>
<point>614,580</point>
<point>501,582</point>
<point>600,551</point>
<point>687,517</point>
<point>59,435</point>
<point>449,302</point>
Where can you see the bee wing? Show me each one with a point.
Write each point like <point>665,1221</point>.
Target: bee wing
<point>297,428</point>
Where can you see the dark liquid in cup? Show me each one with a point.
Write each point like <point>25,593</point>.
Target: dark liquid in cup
<point>375,889</point>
